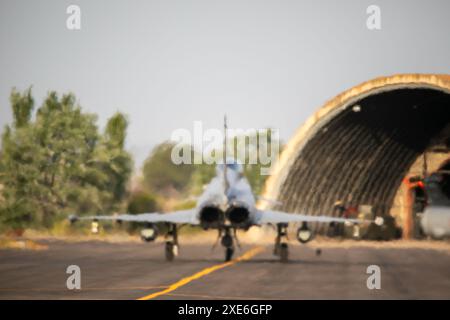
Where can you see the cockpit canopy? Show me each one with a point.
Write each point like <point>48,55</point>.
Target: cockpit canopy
<point>231,165</point>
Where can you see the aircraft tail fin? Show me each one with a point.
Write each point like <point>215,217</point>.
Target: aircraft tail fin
<point>225,179</point>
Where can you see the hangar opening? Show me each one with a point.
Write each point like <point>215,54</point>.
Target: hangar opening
<point>361,145</point>
<point>444,172</point>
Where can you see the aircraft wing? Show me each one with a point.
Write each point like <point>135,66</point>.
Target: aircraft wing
<point>182,216</point>
<point>269,216</point>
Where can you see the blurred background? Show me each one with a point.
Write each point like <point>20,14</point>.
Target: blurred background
<point>86,115</point>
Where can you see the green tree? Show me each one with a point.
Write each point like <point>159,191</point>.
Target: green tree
<point>22,107</point>
<point>59,163</point>
<point>161,174</point>
<point>253,171</point>
<point>142,202</point>
<point>111,166</point>
<point>202,175</point>
<point>17,174</point>
<point>116,130</point>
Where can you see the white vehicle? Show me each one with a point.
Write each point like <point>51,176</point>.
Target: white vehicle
<point>435,221</point>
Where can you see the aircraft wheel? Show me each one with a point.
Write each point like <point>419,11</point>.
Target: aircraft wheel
<point>229,254</point>
<point>170,254</point>
<point>276,249</point>
<point>227,241</point>
<point>284,252</point>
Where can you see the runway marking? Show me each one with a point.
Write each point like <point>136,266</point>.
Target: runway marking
<point>204,296</point>
<point>246,256</point>
<point>82,289</point>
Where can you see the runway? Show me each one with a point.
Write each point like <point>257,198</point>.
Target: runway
<point>138,270</point>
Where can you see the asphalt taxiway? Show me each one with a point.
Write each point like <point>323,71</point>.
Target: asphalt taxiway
<point>139,271</point>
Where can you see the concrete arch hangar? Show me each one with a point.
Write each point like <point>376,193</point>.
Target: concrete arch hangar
<point>361,145</point>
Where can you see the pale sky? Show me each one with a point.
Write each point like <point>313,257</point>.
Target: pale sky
<point>167,63</point>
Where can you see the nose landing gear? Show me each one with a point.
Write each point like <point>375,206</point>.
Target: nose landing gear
<point>228,243</point>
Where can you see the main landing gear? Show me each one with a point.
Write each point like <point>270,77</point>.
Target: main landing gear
<point>281,248</point>
<point>171,249</point>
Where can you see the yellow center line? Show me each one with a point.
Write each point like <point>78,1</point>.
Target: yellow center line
<point>204,296</point>
<point>246,256</point>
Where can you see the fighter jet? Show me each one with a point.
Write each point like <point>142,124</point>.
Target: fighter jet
<point>227,204</point>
